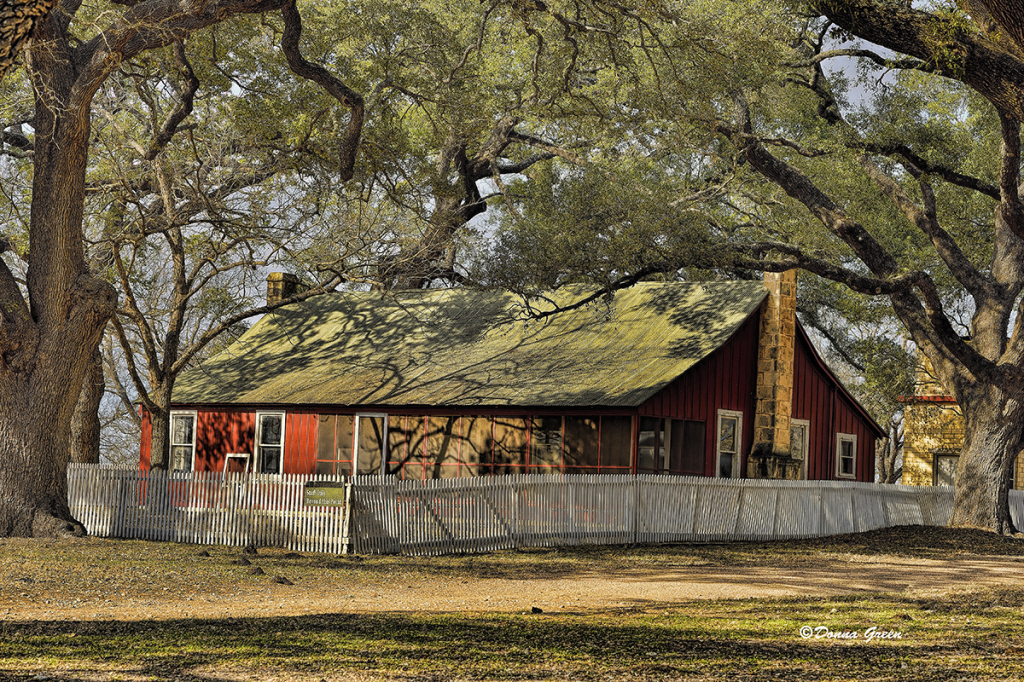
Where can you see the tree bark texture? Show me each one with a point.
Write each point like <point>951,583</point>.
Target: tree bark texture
<point>17,19</point>
<point>85,423</point>
<point>160,429</point>
<point>994,431</point>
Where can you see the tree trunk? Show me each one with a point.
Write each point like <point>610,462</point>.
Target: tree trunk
<point>47,342</point>
<point>160,428</point>
<point>36,404</point>
<point>992,440</point>
<point>85,423</point>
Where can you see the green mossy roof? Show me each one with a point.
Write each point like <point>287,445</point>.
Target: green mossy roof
<point>462,347</point>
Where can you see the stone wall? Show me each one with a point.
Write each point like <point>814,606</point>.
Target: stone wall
<point>930,427</point>
<point>934,425</point>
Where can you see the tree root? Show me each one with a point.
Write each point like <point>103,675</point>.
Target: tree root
<point>45,524</point>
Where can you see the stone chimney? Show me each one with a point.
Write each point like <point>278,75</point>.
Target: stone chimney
<point>770,456</point>
<point>281,285</point>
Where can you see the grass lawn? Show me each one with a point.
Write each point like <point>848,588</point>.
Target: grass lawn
<point>974,634</point>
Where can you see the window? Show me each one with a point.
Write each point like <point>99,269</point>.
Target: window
<point>799,430</point>
<point>730,438</point>
<point>546,445</point>
<point>945,468</point>
<point>616,444</point>
<point>687,446</point>
<point>269,442</point>
<point>370,437</point>
<point>582,445</point>
<point>183,441</point>
<point>442,447</point>
<point>651,444</point>
<point>846,455</point>
<point>511,437</point>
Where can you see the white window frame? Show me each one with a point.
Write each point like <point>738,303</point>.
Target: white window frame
<point>840,439</point>
<point>356,435</point>
<point>195,436</point>
<point>258,441</point>
<point>955,456</point>
<point>806,425</point>
<point>737,456</point>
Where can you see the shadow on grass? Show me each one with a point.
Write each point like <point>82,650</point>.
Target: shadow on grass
<point>735,640</point>
<point>917,542</point>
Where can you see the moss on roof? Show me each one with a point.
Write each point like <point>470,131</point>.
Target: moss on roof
<point>463,347</point>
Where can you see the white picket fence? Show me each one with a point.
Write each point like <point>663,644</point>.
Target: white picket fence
<point>466,515</point>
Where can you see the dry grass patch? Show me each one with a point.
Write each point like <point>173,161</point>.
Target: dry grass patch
<point>82,615</point>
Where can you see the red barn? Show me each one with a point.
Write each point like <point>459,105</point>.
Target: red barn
<point>707,379</point>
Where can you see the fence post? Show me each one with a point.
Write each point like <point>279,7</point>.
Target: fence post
<point>636,509</point>
<point>346,541</point>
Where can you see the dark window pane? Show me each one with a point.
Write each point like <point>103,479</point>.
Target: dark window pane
<point>546,442</point>
<point>650,444</point>
<point>688,446</point>
<point>270,429</point>
<point>847,457</point>
<point>269,460</point>
<point>616,440</point>
<point>398,450</point>
<point>725,466</point>
<point>582,443</point>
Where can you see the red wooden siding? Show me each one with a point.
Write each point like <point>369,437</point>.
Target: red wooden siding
<point>300,431</point>
<point>822,402</point>
<point>725,380</point>
<point>220,432</point>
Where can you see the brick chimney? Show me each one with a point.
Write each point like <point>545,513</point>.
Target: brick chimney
<point>770,456</point>
<point>281,285</point>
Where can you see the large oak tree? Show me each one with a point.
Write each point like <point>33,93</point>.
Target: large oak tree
<point>978,44</point>
<point>913,198</point>
<point>51,320</point>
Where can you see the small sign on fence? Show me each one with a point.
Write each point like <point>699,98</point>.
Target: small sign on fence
<point>324,494</point>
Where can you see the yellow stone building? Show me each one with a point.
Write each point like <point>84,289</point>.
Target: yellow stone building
<point>933,435</point>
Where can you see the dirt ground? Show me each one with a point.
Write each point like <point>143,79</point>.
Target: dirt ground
<point>124,580</point>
